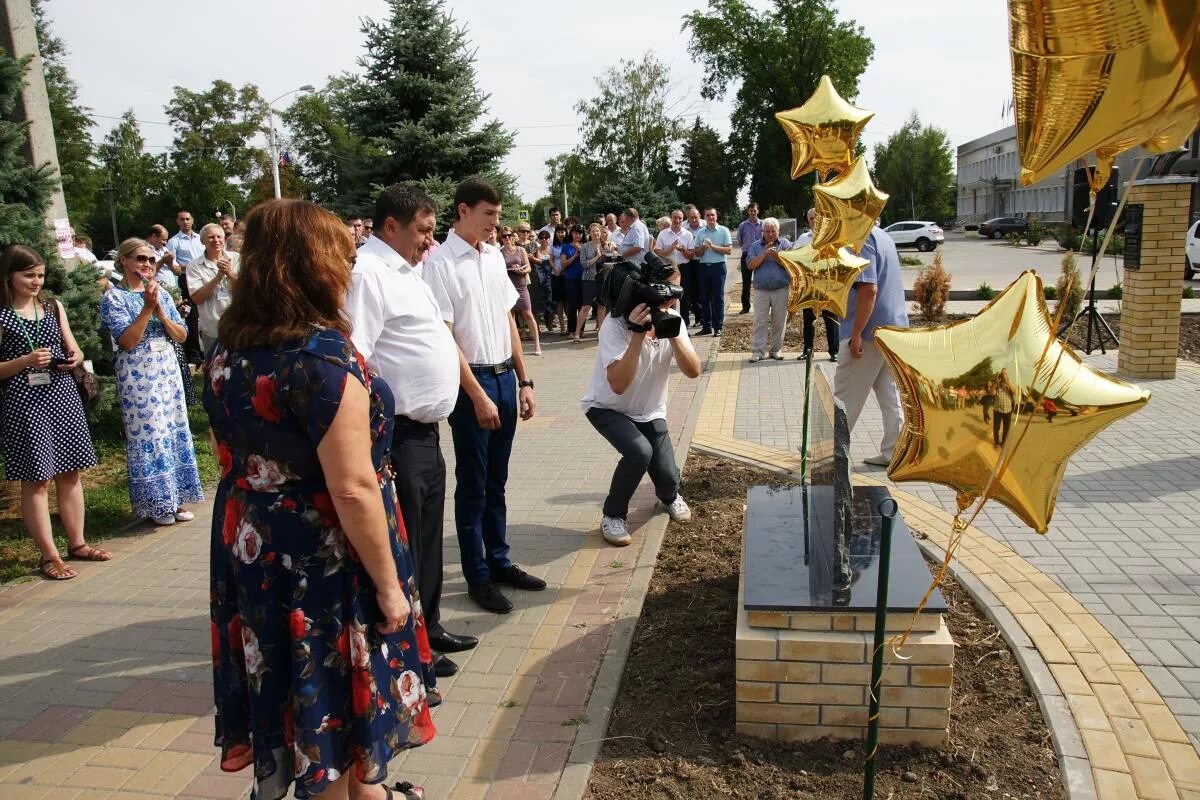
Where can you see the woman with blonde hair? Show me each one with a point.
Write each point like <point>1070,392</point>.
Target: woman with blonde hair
<point>159,454</point>
<point>321,661</point>
<point>45,432</point>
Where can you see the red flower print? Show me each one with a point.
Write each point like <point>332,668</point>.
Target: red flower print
<point>423,650</point>
<point>224,458</point>
<point>216,643</point>
<point>235,634</point>
<point>361,689</point>
<point>343,644</point>
<point>323,503</point>
<point>288,504</point>
<point>229,525</point>
<point>299,624</point>
<point>264,399</point>
<point>401,530</point>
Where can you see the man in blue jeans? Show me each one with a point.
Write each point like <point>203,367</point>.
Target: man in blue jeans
<point>474,294</point>
<point>712,244</point>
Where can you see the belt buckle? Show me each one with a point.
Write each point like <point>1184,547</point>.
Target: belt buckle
<point>500,368</point>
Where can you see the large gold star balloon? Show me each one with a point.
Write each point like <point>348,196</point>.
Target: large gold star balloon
<point>820,283</point>
<point>823,131</point>
<point>847,208</point>
<point>1102,76</point>
<point>995,406</point>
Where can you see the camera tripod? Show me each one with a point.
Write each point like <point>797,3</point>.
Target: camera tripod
<point>1095,322</point>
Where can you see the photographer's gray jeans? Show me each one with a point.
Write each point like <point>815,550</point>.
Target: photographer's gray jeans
<point>644,447</point>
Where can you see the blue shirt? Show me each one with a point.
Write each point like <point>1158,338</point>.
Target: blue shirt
<point>186,248</point>
<point>749,233</point>
<point>637,236</point>
<point>718,236</point>
<point>573,271</point>
<point>883,270</point>
<point>770,274</point>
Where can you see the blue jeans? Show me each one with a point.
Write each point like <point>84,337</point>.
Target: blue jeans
<point>481,471</point>
<point>712,295</point>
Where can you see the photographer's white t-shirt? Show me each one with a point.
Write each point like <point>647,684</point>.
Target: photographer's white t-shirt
<point>646,397</point>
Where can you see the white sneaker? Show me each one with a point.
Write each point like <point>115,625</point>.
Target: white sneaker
<point>777,356</point>
<point>165,519</point>
<point>184,516</point>
<point>616,531</point>
<point>754,359</point>
<point>878,461</point>
<point>679,510</point>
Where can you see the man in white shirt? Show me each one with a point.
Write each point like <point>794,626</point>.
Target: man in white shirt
<point>689,305</point>
<point>636,240</point>
<point>210,279</point>
<point>166,269</point>
<point>674,244</point>
<point>615,234</point>
<point>474,293</point>
<point>398,329</point>
<point>626,402</point>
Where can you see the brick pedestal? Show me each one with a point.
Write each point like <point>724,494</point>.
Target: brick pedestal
<point>806,675</point>
<point>1152,295</point>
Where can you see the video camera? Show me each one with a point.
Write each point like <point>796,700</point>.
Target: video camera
<point>628,285</point>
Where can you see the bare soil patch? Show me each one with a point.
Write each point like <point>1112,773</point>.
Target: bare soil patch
<point>672,729</point>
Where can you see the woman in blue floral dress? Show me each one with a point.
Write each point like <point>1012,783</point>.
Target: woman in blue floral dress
<point>159,453</point>
<point>322,670</point>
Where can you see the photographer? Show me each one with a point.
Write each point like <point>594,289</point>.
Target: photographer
<point>626,401</point>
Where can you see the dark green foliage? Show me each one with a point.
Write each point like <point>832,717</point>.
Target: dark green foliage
<point>976,377</point>
<point>81,299</point>
<point>916,167</point>
<point>705,175</point>
<point>135,178</point>
<point>985,291</point>
<point>641,193</point>
<point>25,190</point>
<point>1035,233</point>
<point>1115,292</point>
<point>775,57</point>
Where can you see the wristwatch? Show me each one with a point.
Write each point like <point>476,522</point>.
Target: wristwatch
<point>523,384</point>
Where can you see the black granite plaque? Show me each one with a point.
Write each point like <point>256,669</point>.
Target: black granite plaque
<point>1133,235</point>
<point>792,563</point>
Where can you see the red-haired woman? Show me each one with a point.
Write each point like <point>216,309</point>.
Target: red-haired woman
<point>45,432</point>
<point>322,667</point>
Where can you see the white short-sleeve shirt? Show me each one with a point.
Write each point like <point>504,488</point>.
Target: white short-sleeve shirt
<point>200,272</point>
<point>475,295</point>
<point>646,397</point>
<point>399,330</point>
<point>669,238</point>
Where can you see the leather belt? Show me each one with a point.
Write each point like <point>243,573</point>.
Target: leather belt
<point>493,369</point>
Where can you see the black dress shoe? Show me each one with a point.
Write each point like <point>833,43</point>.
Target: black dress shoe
<point>833,357</point>
<point>445,642</point>
<point>443,667</point>
<point>518,578</point>
<point>705,332</point>
<point>490,598</point>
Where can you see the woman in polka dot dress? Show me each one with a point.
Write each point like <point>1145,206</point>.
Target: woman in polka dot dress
<point>158,442</point>
<point>45,432</point>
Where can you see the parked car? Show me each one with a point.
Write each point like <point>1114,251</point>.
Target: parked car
<point>1191,257</point>
<point>999,227</point>
<point>923,235</point>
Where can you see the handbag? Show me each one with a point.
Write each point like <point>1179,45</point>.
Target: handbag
<point>86,384</point>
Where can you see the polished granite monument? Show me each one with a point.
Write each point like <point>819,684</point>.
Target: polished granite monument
<point>808,592</point>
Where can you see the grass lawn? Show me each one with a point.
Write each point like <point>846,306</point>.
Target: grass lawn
<point>105,488</point>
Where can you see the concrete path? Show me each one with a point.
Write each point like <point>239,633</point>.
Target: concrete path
<point>105,681</point>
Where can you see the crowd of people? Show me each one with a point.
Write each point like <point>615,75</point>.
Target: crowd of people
<point>325,407</point>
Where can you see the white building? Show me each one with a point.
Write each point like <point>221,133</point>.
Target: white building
<point>988,184</point>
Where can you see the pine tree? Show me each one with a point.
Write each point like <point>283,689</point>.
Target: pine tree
<point>417,100</point>
<point>705,176</point>
<point>25,193</point>
<point>134,178</point>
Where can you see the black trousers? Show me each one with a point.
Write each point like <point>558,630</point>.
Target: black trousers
<point>1001,419</point>
<point>689,305</point>
<point>421,491</point>
<point>191,346</point>
<point>831,330</point>
<point>746,279</point>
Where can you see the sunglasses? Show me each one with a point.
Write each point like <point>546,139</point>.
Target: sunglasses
<point>143,259</point>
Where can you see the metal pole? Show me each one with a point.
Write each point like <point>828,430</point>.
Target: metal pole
<point>804,424</point>
<point>887,510</point>
<point>112,213</point>
<point>274,152</point>
<point>566,211</point>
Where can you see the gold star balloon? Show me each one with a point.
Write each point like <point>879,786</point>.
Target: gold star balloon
<point>820,283</point>
<point>847,208</point>
<point>995,406</point>
<point>823,131</point>
<point>1102,76</point>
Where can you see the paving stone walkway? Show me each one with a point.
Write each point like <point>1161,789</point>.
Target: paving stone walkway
<point>1091,607</point>
<point>105,681</point>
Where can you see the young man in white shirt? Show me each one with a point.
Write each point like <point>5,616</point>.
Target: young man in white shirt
<point>210,280</point>
<point>398,329</point>
<point>474,293</point>
<point>626,402</point>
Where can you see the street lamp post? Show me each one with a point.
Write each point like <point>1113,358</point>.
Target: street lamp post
<point>274,137</point>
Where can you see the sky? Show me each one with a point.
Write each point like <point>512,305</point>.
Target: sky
<point>946,59</point>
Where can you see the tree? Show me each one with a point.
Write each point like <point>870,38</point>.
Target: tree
<point>775,58</point>
<point>705,176</point>
<point>572,170</point>
<point>329,156</point>
<point>631,125</point>
<point>217,125</point>
<point>916,167</point>
<point>134,178</point>
<point>72,123</point>
<point>637,191</point>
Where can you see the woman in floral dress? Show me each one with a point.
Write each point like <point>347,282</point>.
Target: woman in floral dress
<point>322,670</point>
<point>159,454</point>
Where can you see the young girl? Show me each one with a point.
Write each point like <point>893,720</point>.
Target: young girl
<point>45,432</point>
<point>558,286</point>
<point>573,275</point>
<point>590,255</point>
